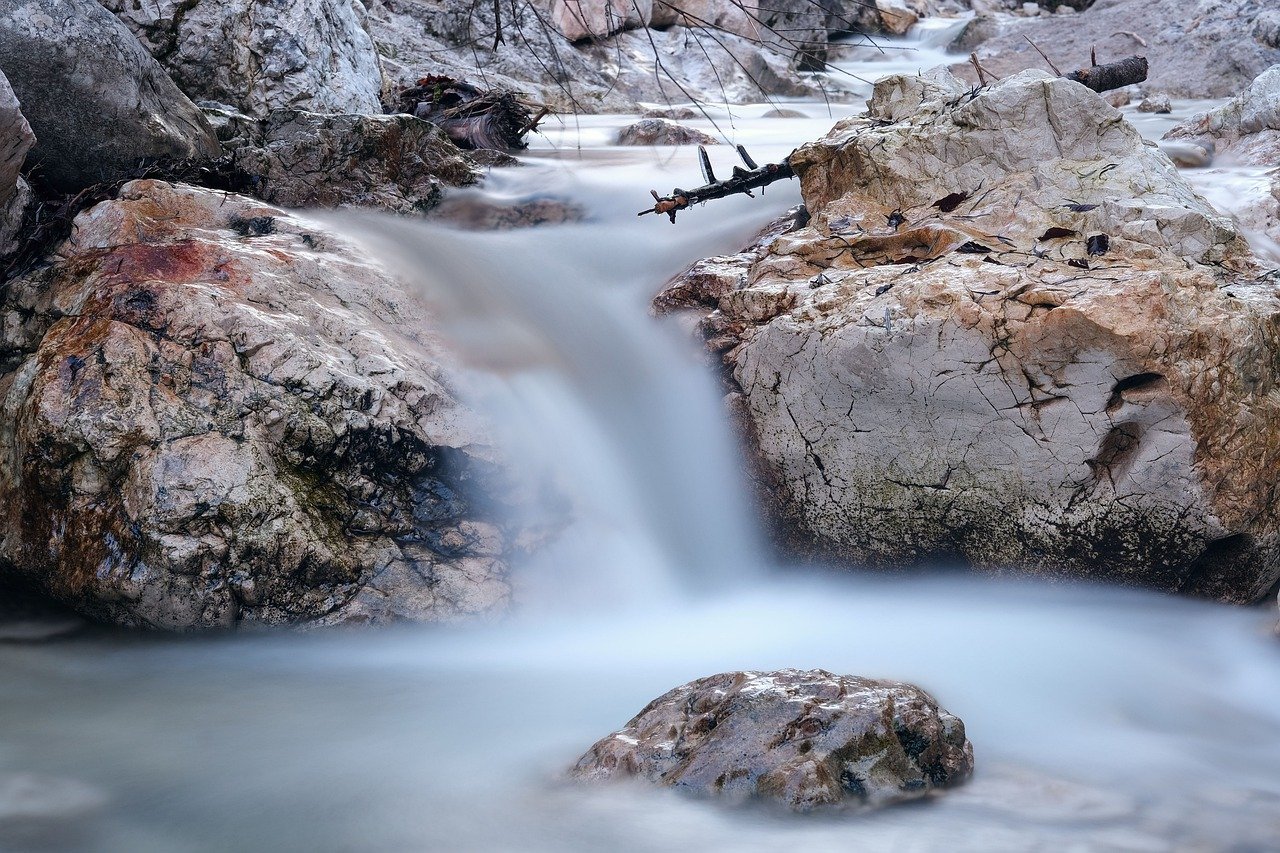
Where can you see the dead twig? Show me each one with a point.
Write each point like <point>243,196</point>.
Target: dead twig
<point>977,66</point>
<point>1043,56</point>
<point>1131,34</point>
<point>743,181</point>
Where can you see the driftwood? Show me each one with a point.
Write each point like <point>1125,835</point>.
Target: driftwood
<point>1113,75</point>
<point>470,116</point>
<point>743,181</point>
<point>1099,78</point>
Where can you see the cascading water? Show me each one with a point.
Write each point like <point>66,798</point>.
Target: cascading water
<point>1102,719</point>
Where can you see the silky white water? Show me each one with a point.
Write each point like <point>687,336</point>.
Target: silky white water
<point>1101,719</point>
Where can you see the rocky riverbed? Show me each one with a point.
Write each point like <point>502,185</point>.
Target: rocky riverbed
<point>273,353</point>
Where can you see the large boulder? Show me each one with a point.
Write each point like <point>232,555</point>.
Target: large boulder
<point>100,106</point>
<point>214,413</point>
<point>258,56</point>
<point>1195,48</point>
<point>1036,350</point>
<point>302,159</point>
<point>805,739</point>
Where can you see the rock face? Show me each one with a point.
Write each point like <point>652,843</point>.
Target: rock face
<point>301,159</point>
<point>16,140</point>
<point>806,739</point>
<point>1196,48</point>
<point>1246,129</point>
<point>656,131</point>
<point>1039,351</point>
<point>99,104</point>
<point>214,413</point>
<point>258,56</point>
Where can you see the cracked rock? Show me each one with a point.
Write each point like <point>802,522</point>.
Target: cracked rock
<point>259,56</point>
<point>804,739</point>
<point>215,413</point>
<point>1038,351</point>
<point>100,106</point>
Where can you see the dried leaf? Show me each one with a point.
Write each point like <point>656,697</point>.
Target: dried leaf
<point>1057,233</point>
<point>951,202</point>
<point>1098,244</point>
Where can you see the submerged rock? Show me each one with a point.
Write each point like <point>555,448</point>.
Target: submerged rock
<point>100,106</point>
<point>1195,48</point>
<point>299,54</point>
<point>213,412</point>
<point>805,739</point>
<point>1038,351</point>
<point>656,131</point>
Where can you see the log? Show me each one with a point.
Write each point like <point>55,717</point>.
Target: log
<point>742,181</point>
<point>1113,75</point>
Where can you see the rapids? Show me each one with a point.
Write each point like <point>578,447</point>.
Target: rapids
<point>1102,719</point>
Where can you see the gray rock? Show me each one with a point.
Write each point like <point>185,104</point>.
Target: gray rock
<point>1040,352</point>
<point>805,739</point>
<point>99,104</point>
<point>215,413</point>
<point>259,56</point>
<point>1155,104</point>
<point>394,162</point>
<point>16,140</point>
<point>656,131</point>
<point>1195,48</point>
<point>1247,127</point>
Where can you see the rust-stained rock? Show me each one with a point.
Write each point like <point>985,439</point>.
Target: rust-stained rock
<point>1040,352</point>
<point>805,739</point>
<point>213,413</point>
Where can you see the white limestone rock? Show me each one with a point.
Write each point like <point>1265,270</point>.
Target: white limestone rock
<point>1011,333</point>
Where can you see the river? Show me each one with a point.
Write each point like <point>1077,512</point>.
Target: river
<point>1101,718</point>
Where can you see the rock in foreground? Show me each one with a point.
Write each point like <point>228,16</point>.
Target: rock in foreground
<point>1037,351</point>
<point>806,739</point>
<point>216,413</point>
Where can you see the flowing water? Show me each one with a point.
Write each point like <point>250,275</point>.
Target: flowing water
<point>1102,719</point>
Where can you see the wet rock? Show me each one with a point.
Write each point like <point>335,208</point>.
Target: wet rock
<point>804,739</point>
<point>297,54</point>
<point>394,162</point>
<point>217,413</point>
<point>1246,128</point>
<point>980,29</point>
<point>656,131</point>
<point>476,213</point>
<point>1041,353</point>
<point>673,113</point>
<point>99,104</point>
<point>1155,104</point>
<point>1195,49</point>
<point>784,113</point>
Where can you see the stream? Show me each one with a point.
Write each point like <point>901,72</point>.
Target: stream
<point>1101,718</point>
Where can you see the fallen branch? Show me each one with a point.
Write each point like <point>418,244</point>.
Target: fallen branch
<point>743,181</point>
<point>470,116</point>
<point>1113,75</point>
